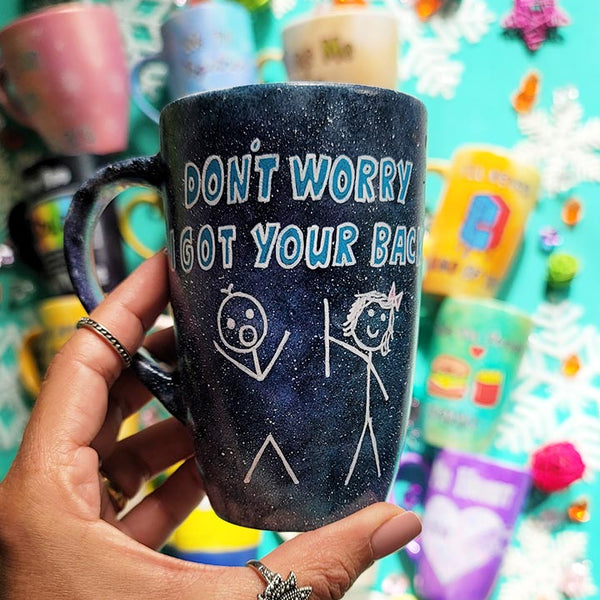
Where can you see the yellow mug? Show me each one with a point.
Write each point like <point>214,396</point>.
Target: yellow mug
<point>479,224</point>
<point>58,317</point>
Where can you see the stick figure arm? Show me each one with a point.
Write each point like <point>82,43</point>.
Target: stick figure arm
<point>381,386</point>
<point>275,356</point>
<point>239,365</point>
<point>350,348</point>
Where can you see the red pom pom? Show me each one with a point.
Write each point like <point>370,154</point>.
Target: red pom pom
<point>556,466</point>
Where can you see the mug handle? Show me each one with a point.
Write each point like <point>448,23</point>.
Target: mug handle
<point>125,225</point>
<point>137,93</point>
<point>13,110</point>
<point>439,167</point>
<point>267,56</point>
<point>28,368</point>
<point>84,212</point>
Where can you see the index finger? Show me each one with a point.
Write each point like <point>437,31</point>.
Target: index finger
<point>72,405</point>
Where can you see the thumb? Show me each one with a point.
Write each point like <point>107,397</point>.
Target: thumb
<point>331,558</point>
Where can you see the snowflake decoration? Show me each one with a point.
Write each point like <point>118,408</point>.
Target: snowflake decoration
<point>546,565</point>
<point>280,8</point>
<point>549,405</point>
<point>563,146</point>
<point>140,22</point>
<point>431,45</point>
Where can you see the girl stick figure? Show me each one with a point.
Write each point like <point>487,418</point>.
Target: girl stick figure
<point>370,324</point>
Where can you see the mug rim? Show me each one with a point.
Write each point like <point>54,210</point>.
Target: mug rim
<point>240,89</point>
<point>349,12</point>
<point>65,7</point>
<point>492,303</point>
<point>203,7</point>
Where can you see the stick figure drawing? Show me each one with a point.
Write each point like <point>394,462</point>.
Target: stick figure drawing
<point>243,325</point>
<point>370,325</point>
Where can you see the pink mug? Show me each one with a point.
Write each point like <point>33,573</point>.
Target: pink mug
<point>63,73</point>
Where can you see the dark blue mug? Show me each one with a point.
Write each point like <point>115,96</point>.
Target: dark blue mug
<point>294,224</point>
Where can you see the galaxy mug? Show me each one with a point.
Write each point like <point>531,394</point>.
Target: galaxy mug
<point>358,45</point>
<point>476,350</point>
<point>479,224</point>
<point>206,46</point>
<point>64,74</point>
<point>294,231</point>
<point>471,506</point>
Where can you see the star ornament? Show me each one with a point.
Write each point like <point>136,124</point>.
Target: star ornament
<point>278,589</point>
<point>534,20</point>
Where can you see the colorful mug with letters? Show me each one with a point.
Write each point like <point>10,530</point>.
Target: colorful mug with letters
<point>354,45</point>
<point>476,350</point>
<point>471,507</point>
<point>294,226</point>
<point>479,224</point>
<point>64,74</point>
<point>206,46</point>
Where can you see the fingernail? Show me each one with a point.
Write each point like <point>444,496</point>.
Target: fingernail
<point>394,534</point>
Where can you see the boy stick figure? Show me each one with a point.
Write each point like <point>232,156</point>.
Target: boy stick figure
<point>243,326</point>
<point>370,324</point>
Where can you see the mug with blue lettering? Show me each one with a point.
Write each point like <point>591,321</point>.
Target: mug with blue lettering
<point>294,233</point>
<point>479,224</point>
<point>206,46</point>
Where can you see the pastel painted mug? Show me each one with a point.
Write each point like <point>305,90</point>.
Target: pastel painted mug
<point>471,506</point>
<point>205,46</point>
<point>64,74</point>
<point>480,221</point>
<point>358,45</point>
<point>294,226</point>
<point>476,350</point>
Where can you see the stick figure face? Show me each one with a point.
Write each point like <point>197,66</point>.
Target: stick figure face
<point>371,326</point>
<point>242,323</point>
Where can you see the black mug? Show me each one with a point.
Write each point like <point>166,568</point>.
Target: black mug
<point>294,226</point>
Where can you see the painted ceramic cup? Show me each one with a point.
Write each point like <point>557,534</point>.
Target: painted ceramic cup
<point>476,350</point>
<point>294,222</point>
<point>471,507</point>
<point>57,317</point>
<point>206,46</point>
<point>480,221</point>
<point>50,184</point>
<point>64,74</point>
<point>345,45</point>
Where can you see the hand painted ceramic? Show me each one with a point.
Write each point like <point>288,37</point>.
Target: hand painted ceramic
<point>471,507</point>
<point>357,45</point>
<point>57,317</point>
<point>206,46</point>
<point>50,184</point>
<point>294,226</point>
<point>478,227</point>
<point>476,350</point>
<point>64,74</point>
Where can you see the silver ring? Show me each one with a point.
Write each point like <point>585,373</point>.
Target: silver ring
<point>107,336</point>
<point>277,587</point>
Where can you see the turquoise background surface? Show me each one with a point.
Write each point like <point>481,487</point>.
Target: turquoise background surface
<point>479,113</point>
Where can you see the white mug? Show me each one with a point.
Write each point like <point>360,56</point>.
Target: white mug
<point>343,45</point>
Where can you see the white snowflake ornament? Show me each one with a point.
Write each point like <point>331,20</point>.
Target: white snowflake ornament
<point>432,45</point>
<point>545,565</point>
<point>560,143</point>
<point>547,404</point>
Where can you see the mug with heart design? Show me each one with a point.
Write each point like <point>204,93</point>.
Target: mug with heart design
<point>471,506</point>
<point>476,350</point>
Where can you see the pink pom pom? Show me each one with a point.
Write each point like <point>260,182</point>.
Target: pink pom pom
<point>556,466</point>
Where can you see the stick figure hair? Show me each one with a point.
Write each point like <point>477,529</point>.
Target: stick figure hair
<point>390,302</point>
